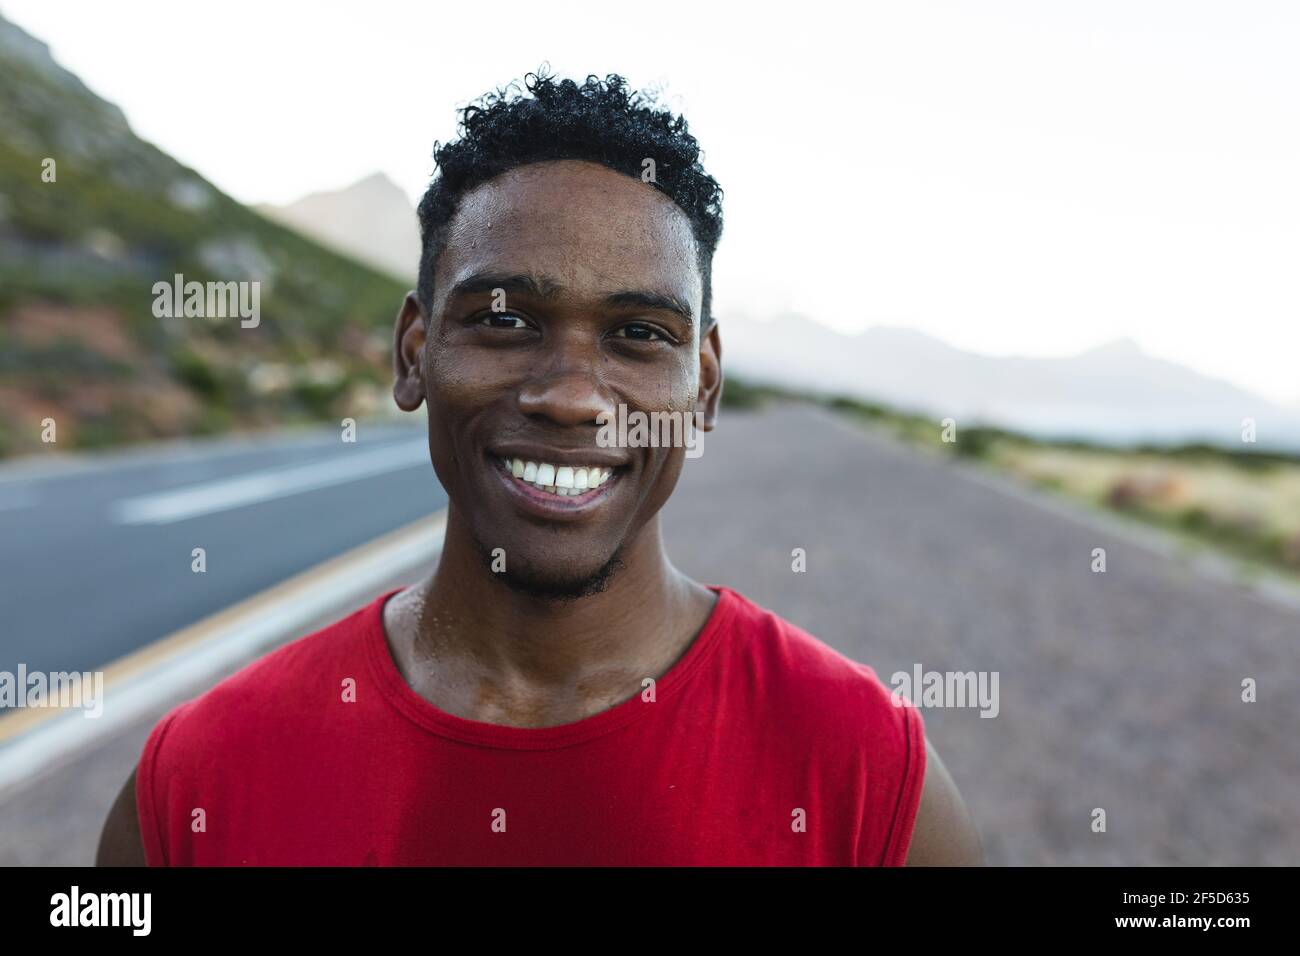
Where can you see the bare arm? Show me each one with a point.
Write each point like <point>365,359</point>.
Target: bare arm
<point>120,843</point>
<point>944,834</point>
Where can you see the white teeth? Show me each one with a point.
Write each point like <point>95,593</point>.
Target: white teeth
<point>562,480</point>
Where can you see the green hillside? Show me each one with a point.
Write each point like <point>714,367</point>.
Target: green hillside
<point>79,256</point>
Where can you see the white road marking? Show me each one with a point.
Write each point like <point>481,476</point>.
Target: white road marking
<point>225,494</point>
<point>52,465</point>
<point>252,627</point>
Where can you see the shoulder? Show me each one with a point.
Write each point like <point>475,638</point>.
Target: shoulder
<point>282,691</point>
<point>825,696</point>
<point>799,668</point>
<point>279,682</point>
<point>843,722</point>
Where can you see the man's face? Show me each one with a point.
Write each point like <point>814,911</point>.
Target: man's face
<point>565,290</point>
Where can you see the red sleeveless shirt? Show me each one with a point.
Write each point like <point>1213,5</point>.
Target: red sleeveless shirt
<point>761,746</point>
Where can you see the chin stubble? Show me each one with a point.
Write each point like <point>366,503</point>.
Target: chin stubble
<point>548,589</point>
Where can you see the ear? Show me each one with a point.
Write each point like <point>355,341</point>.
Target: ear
<point>408,355</point>
<point>706,402</point>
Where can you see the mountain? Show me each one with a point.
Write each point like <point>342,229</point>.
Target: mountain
<point>1114,393</point>
<point>372,221</point>
<point>91,217</point>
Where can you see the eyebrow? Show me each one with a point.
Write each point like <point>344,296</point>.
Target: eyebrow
<point>536,285</point>
<point>544,287</point>
<point>651,300</point>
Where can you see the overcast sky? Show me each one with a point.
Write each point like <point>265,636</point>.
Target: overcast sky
<point>1027,178</point>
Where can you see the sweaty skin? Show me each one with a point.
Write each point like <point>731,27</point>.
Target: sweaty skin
<point>565,289</point>
<point>582,234</point>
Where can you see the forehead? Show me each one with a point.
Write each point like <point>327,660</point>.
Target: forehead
<point>587,226</point>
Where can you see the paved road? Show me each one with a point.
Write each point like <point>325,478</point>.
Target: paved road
<point>1117,690</point>
<point>98,559</point>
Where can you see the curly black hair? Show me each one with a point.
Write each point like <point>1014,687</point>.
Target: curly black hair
<point>600,121</point>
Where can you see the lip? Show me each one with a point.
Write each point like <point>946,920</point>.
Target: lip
<point>546,505</point>
<point>577,457</point>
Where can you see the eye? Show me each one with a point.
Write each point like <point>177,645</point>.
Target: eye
<point>503,320</point>
<point>639,332</point>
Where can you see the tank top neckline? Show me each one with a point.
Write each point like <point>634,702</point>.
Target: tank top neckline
<point>428,716</point>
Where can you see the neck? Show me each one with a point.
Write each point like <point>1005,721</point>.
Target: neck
<point>481,649</point>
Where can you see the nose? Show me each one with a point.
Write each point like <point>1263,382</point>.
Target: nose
<point>566,389</point>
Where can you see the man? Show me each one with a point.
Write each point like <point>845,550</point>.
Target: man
<point>556,692</point>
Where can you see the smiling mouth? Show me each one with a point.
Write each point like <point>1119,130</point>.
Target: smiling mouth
<point>561,484</point>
